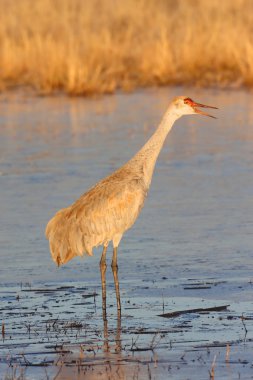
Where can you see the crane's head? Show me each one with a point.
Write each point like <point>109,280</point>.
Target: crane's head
<point>182,105</point>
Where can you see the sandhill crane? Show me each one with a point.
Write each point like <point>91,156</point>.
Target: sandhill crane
<point>108,209</point>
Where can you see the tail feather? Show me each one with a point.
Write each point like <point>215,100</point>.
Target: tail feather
<point>65,239</point>
<point>75,239</point>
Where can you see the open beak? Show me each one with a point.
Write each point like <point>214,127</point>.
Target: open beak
<point>194,105</point>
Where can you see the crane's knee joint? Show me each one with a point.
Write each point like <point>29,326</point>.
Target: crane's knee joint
<point>114,266</point>
<point>103,264</point>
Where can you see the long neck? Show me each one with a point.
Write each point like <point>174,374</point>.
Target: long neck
<point>146,158</point>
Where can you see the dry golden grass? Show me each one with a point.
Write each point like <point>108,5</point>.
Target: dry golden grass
<point>98,46</point>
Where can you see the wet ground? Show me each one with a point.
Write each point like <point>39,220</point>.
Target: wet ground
<point>190,250</point>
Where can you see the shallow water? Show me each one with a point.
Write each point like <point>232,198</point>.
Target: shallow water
<point>195,228</point>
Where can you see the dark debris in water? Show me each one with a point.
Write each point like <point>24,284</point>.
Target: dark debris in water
<point>174,314</point>
<point>50,327</point>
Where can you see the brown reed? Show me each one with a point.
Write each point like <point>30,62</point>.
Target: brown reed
<point>98,46</point>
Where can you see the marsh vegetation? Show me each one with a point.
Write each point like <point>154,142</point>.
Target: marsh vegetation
<point>93,47</point>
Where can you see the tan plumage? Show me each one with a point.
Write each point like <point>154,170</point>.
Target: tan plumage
<point>111,207</point>
<point>97,217</point>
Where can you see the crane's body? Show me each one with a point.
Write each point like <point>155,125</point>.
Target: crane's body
<point>99,216</point>
<point>111,207</point>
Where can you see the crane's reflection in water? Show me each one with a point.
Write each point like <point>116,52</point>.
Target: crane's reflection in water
<point>108,360</point>
<point>118,345</point>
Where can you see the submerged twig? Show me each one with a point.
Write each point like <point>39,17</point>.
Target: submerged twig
<point>198,310</point>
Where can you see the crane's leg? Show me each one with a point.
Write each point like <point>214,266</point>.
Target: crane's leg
<point>116,280</point>
<point>103,256</point>
<point>118,334</point>
<point>116,240</point>
<point>115,258</point>
<point>103,281</point>
<point>106,341</point>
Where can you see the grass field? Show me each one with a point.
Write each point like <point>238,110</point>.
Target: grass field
<point>98,46</point>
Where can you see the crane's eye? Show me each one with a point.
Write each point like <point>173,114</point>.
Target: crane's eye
<point>188,101</point>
